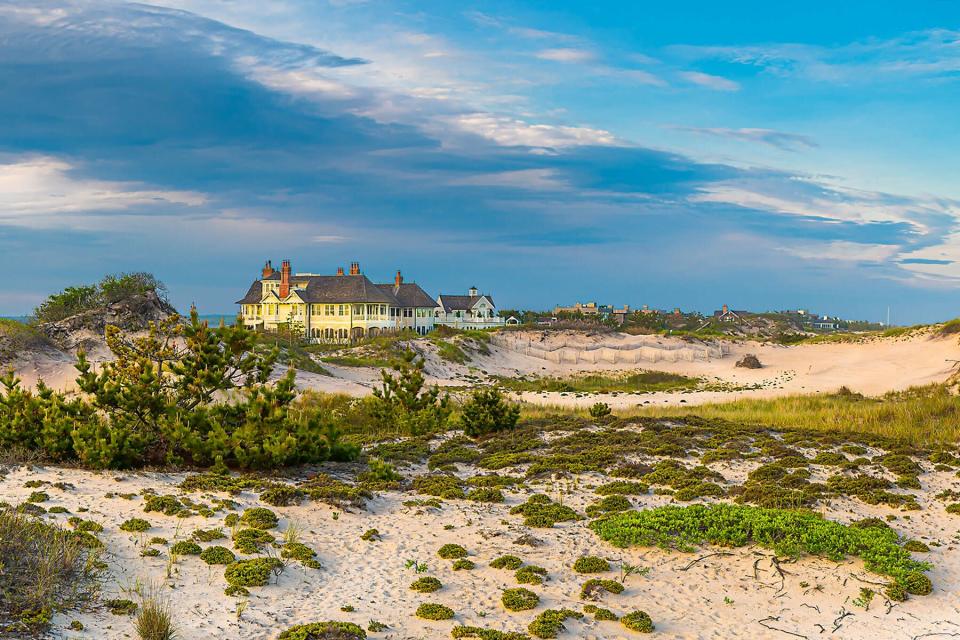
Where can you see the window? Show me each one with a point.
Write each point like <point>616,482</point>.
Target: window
<point>329,310</point>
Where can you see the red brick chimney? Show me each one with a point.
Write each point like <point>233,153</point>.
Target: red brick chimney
<point>725,308</point>
<point>267,269</point>
<point>339,271</point>
<point>398,280</point>
<point>285,279</point>
<point>354,268</point>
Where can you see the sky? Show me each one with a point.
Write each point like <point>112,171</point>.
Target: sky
<point>676,154</point>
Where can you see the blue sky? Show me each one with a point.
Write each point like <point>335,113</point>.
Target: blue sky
<point>672,154</point>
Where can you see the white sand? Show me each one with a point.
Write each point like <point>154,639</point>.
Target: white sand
<point>716,598</point>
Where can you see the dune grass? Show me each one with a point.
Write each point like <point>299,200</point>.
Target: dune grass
<point>920,415</point>
<point>44,570</point>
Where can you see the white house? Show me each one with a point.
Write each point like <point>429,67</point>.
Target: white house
<point>472,311</point>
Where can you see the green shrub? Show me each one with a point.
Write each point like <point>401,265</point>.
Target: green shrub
<point>591,564</point>
<point>507,562</point>
<point>600,410</point>
<point>451,551</point>
<point>486,494</point>
<point>479,633</point>
<point>540,511</point>
<point>623,487</point>
<point>167,505</point>
<point>84,525</point>
<point>282,496</point>
<point>895,592</point>
<point>954,508</point>
<point>916,583</point>
<point>599,613</point>
<point>301,553</point>
<point>217,555</point>
<point>519,599</point>
<point>370,535</point>
<point>250,541</point>
<point>38,496</point>
<point>444,486</point>
<point>488,412</point>
<point>610,504</point>
<point>134,525</point>
<point>790,533</point>
<point>434,611</point>
<point>638,621</point>
<point>208,535</point>
<point>252,573</point>
<point>594,588</point>
<point>155,619</point>
<point>186,548</point>
<point>426,584</point>
<point>403,402</point>
<point>530,574</point>
<point>463,565</point>
<point>550,622</point>
<point>259,518</point>
<point>324,631</point>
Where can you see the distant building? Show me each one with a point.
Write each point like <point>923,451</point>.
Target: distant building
<point>604,311</point>
<point>334,308</point>
<point>728,315</point>
<point>472,311</point>
<point>588,309</point>
<point>826,323</point>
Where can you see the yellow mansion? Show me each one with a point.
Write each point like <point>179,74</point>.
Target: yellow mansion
<point>338,307</point>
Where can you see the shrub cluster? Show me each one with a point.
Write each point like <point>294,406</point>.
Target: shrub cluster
<point>463,631</point>
<point>507,562</point>
<point>540,511</point>
<point>252,573</point>
<point>452,551</point>
<point>155,403</point>
<point>591,564</point>
<point>217,555</point>
<point>550,622</point>
<point>488,412</point>
<point>530,574</point>
<point>320,630</point>
<point>426,584</point>
<point>638,621</point>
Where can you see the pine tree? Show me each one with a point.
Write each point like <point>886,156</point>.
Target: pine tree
<point>404,403</point>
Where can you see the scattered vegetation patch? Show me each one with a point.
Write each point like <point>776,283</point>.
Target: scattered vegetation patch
<point>540,511</point>
<point>639,621</point>
<point>330,630</point>
<point>434,611</point>
<point>520,599</point>
<point>479,633</point>
<point>790,533</point>
<point>252,573</point>
<point>530,574</point>
<point>591,564</point>
<point>451,551</point>
<point>426,584</point>
<point>507,562</point>
<point>599,613</point>
<point>135,525</point>
<point>250,541</point>
<point>217,555</point>
<point>623,487</point>
<point>186,548</point>
<point>259,518</point>
<point>463,565</point>
<point>594,588</point>
<point>550,622</point>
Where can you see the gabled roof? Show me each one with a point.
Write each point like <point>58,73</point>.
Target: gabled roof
<point>462,303</point>
<point>330,290</point>
<point>409,294</point>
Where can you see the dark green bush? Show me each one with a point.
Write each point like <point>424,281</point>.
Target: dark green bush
<point>550,622</point>
<point>251,541</point>
<point>488,412</point>
<point>121,606</point>
<point>324,631</point>
<point>259,518</point>
<point>520,599</point>
<point>486,494</point>
<point>540,511</point>
<point>463,565</point>
<point>217,555</point>
<point>639,621</point>
<point>530,574</point>
<point>479,633</point>
<point>208,535</point>
<point>600,410</point>
<point>451,551</point>
<point>434,611</point>
<point>186,548</point>
<point>507,562</point>
<point>282,496</point>
<point>591,564</point>
<point>599,613</point>
<point>426,584</point>
<point>444,486</point>
<point>916,546</point>
<point>609,504</point>
<point>252,573</point>
<point>134,525</point>
<point>594,588</point>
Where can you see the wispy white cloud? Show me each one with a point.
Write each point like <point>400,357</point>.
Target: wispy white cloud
<point>41,192</point>
<point>717,83</point>
<point>843,251</point>
<point>566,54</point>
<point>771,137</point>
<point>508,131</point>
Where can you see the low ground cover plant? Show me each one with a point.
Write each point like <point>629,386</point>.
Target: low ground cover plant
<point>790,533</point>
<point>519,599</point>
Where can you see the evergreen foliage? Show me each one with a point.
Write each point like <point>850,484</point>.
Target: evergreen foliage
<point>403,402</point>
<point>488,412</point>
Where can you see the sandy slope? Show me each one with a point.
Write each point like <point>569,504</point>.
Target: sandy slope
<point>718,597</point>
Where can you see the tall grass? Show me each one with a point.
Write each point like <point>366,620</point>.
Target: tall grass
<point>155,617</point>
<point>642,382</point>
<point>43,570</point>
<point>920,415</point>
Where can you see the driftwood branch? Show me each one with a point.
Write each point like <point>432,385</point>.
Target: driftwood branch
<point>763,623</point>
<point>709,555</point>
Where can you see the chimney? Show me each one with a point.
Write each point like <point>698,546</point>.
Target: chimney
<point>473,292</point>
<point>285,279</point>
<point>267,269</point>
<point>354,268</point>
<point>339,271</point>
<point>725,308</point>
<point>398,280</point>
